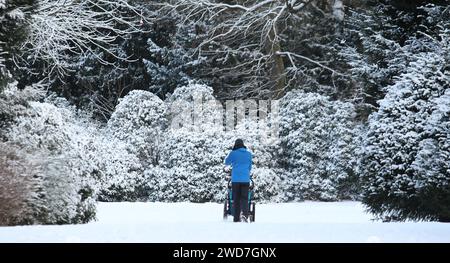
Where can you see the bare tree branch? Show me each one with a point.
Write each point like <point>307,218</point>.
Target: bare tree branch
<point>290,55</point>
<point>253,27</point>
<point>63,27</point>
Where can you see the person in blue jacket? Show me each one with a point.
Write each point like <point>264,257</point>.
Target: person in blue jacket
<point>240,160</point>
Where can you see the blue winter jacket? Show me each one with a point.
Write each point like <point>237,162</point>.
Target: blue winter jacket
<point>241,162</point>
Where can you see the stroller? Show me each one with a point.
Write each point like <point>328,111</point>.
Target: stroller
<point>228,208</point>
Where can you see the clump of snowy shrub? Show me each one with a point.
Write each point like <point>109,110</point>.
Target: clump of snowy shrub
<point>407,156</point>
<point>139,120</point>
<point>38,188</point>
<point>194,148</point>
<point>138,125</point>
<point>48,128</point>
<point>14,103</point>
<point>194,108</point>
<point>118,172</point>
<point>318,142</point>
<point>18,185</point>
<point>108,170</point>
<point>268,185</point>
<point>35,165</point>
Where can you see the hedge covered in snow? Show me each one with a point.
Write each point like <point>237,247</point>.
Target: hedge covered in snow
<point>172,150</point>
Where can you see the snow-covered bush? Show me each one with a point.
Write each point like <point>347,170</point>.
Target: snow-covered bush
<point>139,120</point>
<point>168,66</point>
<point>178,184</point>
<point>194,108</point>
<point>407,156</point>
<point>14,103</point>
<point>194,148</point>
<point>43,188</point>
<point>18,185</point>
<point>318,146</point>
<point>137,125</point>
<point>38,130</point>
<point>268,184</point>
<point>118,172</point>
<point>48,128</point>
<point>103,162</point>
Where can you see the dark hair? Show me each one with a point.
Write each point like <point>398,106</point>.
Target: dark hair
<point>239,143</point>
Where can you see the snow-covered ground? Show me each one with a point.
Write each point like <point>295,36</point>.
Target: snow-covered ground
<point>188,222</point>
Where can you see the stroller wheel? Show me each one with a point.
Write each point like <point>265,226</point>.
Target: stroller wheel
<point>225,210</point>
<point>253,212</point>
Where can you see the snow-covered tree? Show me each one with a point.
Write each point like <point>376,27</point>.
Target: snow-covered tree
<point>97,86</point>
<point>245,43</point>
<point>371,46</point>
<point>406,160</point>
<point>13,30</point>
<point>370,51</point>
<point>318,142</point>
<point>172,63</point>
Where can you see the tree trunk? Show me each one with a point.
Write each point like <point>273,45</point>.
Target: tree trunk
<point>277,74</point>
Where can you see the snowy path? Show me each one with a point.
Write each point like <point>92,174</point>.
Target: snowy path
<point>187,222</point>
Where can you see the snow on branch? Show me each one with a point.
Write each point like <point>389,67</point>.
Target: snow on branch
<point>291,57</point>
<point>260,16</point>
<point>62,27</point>
<point>2,53</point>
<point>256,25</point>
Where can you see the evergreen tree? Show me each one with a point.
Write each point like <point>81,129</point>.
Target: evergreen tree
<point>13,30</point>
<point>172,62</point>
<point>370,46</point>
<point>369,49</point>
<point>407,159</point>
<point>318,141</point>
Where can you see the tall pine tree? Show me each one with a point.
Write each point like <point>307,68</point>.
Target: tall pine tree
<point>407,157</point>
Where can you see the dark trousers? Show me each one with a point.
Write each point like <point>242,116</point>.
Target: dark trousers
<point>240,200</point>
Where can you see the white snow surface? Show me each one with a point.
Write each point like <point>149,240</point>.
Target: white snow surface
<point>334,222</point>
